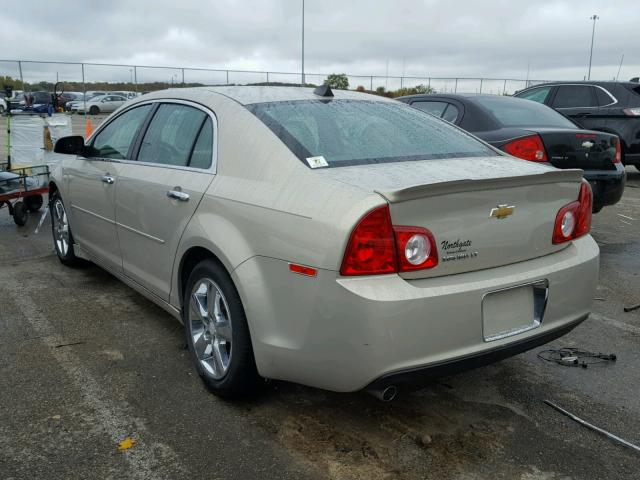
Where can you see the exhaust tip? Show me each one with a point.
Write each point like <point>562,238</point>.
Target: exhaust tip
<point>386,394</point>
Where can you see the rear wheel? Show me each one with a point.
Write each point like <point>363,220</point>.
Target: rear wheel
<point>62,237</point>
<point>94,110</point>
<point>217,333</point>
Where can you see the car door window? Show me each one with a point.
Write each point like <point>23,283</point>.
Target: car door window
<point>434,108</point>
<point>537,94</point>
<point>574,96</point>
<point>114,140</point>
<point>203,149</point>
<point>171,135</point>
<point>451,113</point>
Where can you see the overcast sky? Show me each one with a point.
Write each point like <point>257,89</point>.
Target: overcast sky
<point>430,38</point>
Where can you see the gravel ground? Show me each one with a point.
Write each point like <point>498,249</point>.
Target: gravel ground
<point>86,362</point>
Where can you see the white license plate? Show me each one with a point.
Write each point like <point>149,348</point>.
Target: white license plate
<point>512,311</point>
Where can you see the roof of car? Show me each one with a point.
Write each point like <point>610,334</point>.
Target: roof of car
<point>581,82</point>
<point>246,95</point>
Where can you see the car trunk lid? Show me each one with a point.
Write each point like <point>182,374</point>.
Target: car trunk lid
<point>583,149</point>
<point>483,212</point>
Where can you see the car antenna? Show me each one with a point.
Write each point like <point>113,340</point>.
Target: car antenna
<point>323,91</point>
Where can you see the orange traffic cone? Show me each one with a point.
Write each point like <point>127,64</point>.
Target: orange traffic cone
<point>88,128</point>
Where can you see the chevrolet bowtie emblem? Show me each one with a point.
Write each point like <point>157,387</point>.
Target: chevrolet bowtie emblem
<point>588,144</point>
<point>501,211</point>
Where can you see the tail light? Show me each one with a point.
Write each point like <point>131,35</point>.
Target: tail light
<point>618,156</point>
<point>574,220</point>
<point>377,247</point>
<point>632,112</point>
<point>527,148</point>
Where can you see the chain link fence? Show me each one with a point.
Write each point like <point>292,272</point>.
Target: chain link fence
<point>141,78</point>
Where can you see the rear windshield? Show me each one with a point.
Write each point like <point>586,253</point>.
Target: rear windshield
<point>518,112</point>
<point>353,132</point>
<point>634,88</point>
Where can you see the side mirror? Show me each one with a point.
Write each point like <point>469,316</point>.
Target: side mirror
<point>73,145</point>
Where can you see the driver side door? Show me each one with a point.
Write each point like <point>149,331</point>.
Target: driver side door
<point>91,186</point>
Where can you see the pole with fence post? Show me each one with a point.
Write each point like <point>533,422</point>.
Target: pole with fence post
<point>401,82</point>
<point>371,83</point>
<point>504,87</point>
<point>135,78</point>
<point>84,88</point>
<point>481,85</point>
<point>267,77</point>
<point>21,78</point>
<point>182,76</point>
<point>227,77</point>
<point>455,87</point>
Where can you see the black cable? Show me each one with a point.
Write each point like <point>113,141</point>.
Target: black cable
<point>575,357</point>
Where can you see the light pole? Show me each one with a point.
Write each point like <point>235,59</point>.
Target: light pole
<point>303,43</point>
<point>593,33</point>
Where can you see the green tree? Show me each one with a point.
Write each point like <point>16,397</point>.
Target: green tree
<point>337,80</point>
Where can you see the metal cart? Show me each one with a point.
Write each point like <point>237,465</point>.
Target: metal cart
<point>21,190</point>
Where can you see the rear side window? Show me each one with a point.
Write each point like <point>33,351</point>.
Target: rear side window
<point>353,132</point>
<point>537,94</point>
<point>451,113</point>
<point>434,108</point>
<point>603,97</point>
<point>574,96</point>
<point>203,149</point>
<point>114,141</point>
<point>171,135</point>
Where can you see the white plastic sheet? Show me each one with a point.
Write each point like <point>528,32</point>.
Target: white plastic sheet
<point>28,138</point>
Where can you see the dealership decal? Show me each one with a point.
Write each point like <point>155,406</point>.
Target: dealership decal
<point>456,250</point>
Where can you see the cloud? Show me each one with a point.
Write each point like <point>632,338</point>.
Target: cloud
<point>494,38</point>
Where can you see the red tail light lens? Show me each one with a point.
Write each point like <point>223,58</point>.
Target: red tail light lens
<point>618,157</point>
<point>377,247</point>
<point>371,248</point>
<point>527,148</point>
<point>574,220</point>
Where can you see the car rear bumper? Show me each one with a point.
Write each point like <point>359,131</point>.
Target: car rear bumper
<point>607,185</point>
<point>430,372</point>
<point>346,333</point>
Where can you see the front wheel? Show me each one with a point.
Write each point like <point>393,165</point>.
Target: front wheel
<point>217,333</point>
<point>62,237</point>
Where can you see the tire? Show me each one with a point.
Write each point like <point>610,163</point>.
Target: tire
<point>20,214</point>
<point>34,203</point>
<point>220,349</point>
<point>61,232</point>
<point>94,110</point>
<point>1,109</point>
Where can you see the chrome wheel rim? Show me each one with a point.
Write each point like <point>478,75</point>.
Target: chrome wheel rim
<point>60,227</point>
<point>210,328</point>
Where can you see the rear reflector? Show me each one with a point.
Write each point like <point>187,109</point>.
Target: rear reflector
<point>574,220</point>
<point>527,148</point>
<point>632,112</point>
<point>376,247</point>
<point>303,270</point>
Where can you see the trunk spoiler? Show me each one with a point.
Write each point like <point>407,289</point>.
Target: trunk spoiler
<point>468,185</point>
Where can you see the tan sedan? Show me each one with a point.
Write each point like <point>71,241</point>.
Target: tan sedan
<point>335,239</point>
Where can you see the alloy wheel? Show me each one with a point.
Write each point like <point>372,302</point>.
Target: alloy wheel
<point>210,328</point>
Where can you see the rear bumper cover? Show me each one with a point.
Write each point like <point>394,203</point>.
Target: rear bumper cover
<point>430,372</point>
<point>607,185</point>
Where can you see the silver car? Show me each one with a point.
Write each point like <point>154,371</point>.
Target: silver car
<point>334,239</point>
<point>99,104</point>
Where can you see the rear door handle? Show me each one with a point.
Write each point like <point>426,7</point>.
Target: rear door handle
<point>108,179</point>
<point>183,197</point>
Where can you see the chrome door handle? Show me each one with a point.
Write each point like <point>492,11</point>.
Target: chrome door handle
<point>183,197</point>
<point>108,179</point>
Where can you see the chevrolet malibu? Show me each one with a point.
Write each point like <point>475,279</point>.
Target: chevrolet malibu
<point>334,239</point>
